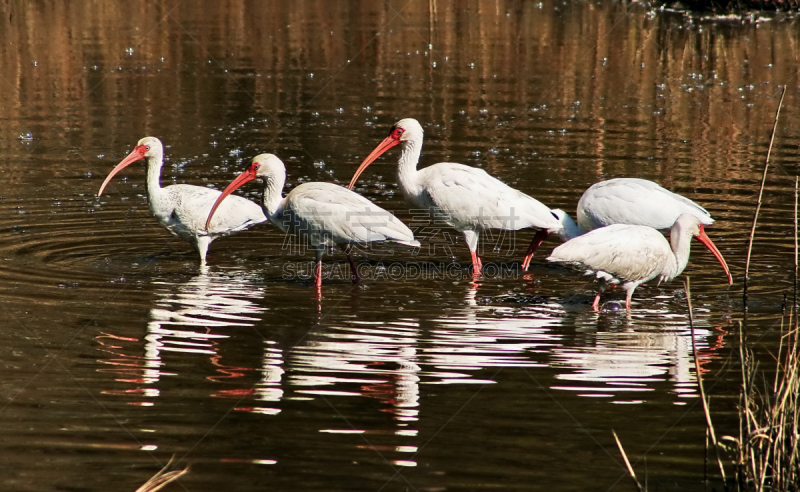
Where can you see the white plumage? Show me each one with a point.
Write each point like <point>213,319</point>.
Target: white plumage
<point>321,214</point>
<point>466,198</point>
<point>182,209</point>
<point>633,254</point>
<point>631,201</point>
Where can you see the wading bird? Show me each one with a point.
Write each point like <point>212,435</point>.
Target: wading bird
<point>321,214</point>
<point>633,254</point>
<point>466,198</point>
<point>182,209</point>
<point>631,201</point>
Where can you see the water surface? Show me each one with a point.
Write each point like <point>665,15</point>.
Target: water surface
<point>119,351</point>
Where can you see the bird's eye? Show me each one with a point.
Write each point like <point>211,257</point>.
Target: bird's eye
<point>146,148</point>
<point>255,167</point>
<point>398,132</point>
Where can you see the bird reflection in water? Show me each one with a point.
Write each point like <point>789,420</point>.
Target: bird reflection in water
<point>612,355</point>
<point>491,334</point>
<point>624,359</point>
<point>193,318</point>
<point>388,361</point>
<point>376,360</point>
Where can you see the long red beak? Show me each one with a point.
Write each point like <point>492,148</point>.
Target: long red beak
<point>703,238</point>
<point>382,147</point>
<point>137,154</point>
<point>247,176</point>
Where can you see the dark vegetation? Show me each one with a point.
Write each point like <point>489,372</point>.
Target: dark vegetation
<point>726,7</point>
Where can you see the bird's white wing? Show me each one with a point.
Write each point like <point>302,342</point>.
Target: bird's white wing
<point>627,252</point>
<point>329,214</point>
<point>468,195</point>
<point>190,206</point>
<point>634,201</point>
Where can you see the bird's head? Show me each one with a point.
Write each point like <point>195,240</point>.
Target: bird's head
<point>405,130</point>
<point>146,147</point>
<point>688,224</point>
<point>264,166</point>
<point>568,228</point>
<point>268,167</point>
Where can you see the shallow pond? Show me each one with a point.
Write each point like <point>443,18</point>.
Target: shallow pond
<point>118,351</point>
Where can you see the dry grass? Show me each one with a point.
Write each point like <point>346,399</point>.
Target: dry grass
<point>767,456</point>
<point>760,196</point>
<point>767,447</point>
<point>699,373</point>
<point>162,478</point>
<point>628,463</point>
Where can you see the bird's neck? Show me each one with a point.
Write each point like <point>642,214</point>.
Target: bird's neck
<point>272,196</point>
<point>569,229</point>
<point>407,166</point>
<point>154,164</point>
<point>681,244</point>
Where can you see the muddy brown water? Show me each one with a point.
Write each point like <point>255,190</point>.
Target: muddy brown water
<point>119,352</point>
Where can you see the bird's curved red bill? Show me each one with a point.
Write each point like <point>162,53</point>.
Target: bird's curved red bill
<point>382,147</point>
<point>703,238</point>
<point>137,154</point>
<point>246,176</point>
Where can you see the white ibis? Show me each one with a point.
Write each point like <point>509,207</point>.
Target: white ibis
<point>629,201</point>
<point>181,208</point>
<point>633,254</point>
<point>321,214</point>
<point>466,198</point>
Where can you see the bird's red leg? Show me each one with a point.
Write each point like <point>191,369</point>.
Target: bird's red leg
<point>353,266</point>
<point>471,238</point>
<point>538,238</point>
<point>596,303</point>
<point>318,275</point>
<point>477,265</point>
